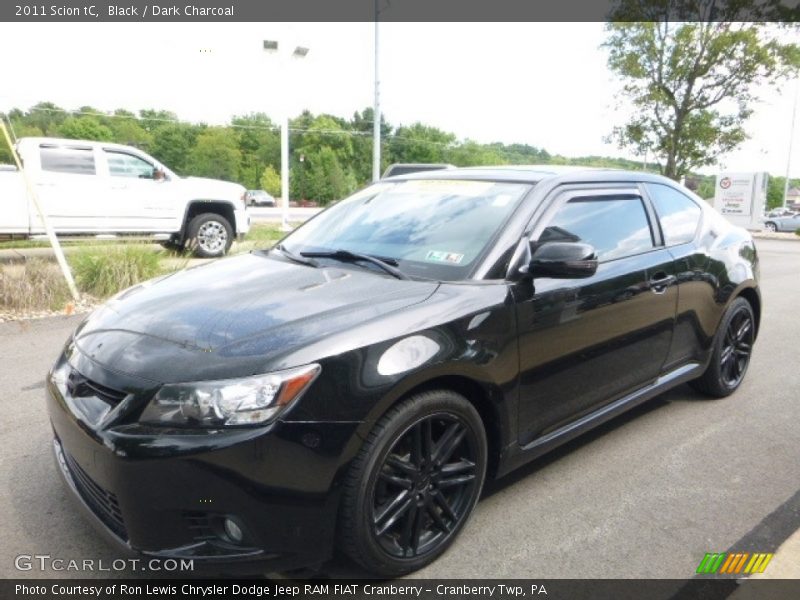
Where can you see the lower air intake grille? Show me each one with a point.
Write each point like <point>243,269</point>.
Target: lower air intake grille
<point>102,502</point>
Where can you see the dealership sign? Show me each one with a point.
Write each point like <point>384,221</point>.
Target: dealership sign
<point>741,197</point>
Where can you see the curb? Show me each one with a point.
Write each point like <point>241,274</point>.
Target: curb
<point>787,237</point>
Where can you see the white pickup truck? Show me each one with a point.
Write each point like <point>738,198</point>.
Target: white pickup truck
<point>107,190</point>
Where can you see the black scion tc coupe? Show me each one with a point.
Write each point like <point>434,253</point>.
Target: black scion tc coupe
<point>353,387</point>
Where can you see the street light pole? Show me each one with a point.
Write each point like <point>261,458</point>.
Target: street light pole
<point>376,112</point>
<point>271,46</point>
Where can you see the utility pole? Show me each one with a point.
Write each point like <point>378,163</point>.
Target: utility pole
<point>791,142</point>
<point>376,112</point>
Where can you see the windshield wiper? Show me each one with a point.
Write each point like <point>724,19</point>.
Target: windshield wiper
<point>346,255</point>
<point>296,257</point>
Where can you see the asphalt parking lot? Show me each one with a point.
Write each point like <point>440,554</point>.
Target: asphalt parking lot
<point>646,495</point>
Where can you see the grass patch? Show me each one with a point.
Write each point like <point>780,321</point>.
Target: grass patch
<point>33,285</point>
<point>11,244</point>
<point>267,233</point>
<point>106,272</point>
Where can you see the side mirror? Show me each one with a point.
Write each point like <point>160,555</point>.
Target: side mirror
<point>563,260</point>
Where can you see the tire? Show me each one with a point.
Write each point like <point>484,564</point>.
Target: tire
<point>770,226</point>
<point>732,350</point>
<point>420,499</point>
<point>209,235</point>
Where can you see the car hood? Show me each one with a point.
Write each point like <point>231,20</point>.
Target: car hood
<point>214,188</point>
<point>236,316</point>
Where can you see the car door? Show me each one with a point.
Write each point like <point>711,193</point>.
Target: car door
<point>792,223</point>
<point>138,196</point>
<point>69,189</point>
<point>586,342</point>
<point>679,217</point>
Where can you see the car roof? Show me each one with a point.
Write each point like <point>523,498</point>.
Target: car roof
<point>52,141</point>
<point>536,173</point>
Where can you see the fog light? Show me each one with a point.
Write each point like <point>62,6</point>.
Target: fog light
<point>233,531</point>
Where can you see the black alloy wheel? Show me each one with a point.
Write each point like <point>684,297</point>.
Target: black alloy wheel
<point>414,484</point>
<point>736,348</point>
<point>731,352</point>
<point>424,486</point>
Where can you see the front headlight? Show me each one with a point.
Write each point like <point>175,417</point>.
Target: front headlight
<point>247,401</point>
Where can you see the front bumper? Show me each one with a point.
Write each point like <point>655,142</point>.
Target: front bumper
<point>242,224</point>
<point>165,494</point>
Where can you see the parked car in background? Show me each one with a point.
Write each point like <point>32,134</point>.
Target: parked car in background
<point>789,222</point>
<point>355,385</point>
<point>780,212</point>
<point>97,188</point>
<point>259,198</point>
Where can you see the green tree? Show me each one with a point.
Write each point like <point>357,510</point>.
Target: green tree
<point>362,124</point>
<point>46,117</point>
<point>469,154</point>
<point>172,143</point>
<point>85,128</point>
<point>151,118</point>
<point>691,85</point>
<point>326,180</point>
<point>259,143</point>
<point>775,189</point>
<point>271,181</point>
<point>419,143</point>
<point>127,130</point>
<point>215,154</point>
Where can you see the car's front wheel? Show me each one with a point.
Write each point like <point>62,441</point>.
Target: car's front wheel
<point>770,226</point>
<point>733,346</point>
<point>414,483</point>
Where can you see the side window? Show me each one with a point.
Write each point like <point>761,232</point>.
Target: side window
<point>122,164</point>
<point>617,226</point>
<point>679,215</point>
<point>78,161</point>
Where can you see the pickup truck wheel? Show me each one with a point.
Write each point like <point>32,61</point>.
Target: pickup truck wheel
<point>209,235</point>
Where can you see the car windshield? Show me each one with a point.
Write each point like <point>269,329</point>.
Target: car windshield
<point>434,229</point>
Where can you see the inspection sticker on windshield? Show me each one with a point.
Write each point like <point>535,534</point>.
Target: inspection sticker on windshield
<point>456,187</point>
<point>447,257</point>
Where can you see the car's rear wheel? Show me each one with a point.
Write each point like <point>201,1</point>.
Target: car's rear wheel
<point>209,235</point>
<point>414,483</point>
<point>733,346</point>
<point>770,226</point>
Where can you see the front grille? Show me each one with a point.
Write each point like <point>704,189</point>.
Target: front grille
<point>81,387</point>
<point>102,502</point>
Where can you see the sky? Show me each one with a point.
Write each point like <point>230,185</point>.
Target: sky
<point>543,84</point>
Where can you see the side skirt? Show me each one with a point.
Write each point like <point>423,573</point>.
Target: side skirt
<point>545,443</point>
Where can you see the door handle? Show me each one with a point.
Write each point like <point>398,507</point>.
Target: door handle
<point>660,282</point>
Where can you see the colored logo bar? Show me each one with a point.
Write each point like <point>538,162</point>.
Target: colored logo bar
<point>734,563</point>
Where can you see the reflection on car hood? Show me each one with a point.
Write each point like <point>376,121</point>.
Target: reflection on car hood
<point>246,306</point>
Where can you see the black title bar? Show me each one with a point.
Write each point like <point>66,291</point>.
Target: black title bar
<point>398,10</point>
<point>410,589</point>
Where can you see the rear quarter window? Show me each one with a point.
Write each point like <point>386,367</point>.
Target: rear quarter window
<point>679,215</point>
